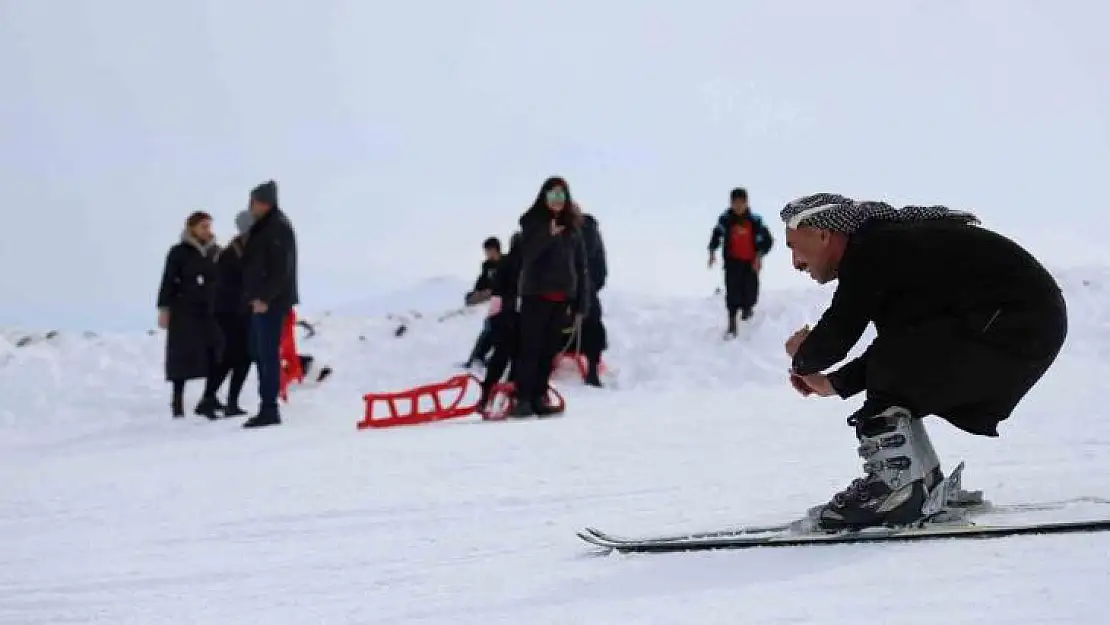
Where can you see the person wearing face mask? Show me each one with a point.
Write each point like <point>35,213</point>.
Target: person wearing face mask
<point>186,310</point>
<point>554,284</point>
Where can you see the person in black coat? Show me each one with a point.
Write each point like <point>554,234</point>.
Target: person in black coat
<point>594,336</point>
<point>186,310</point>
<point>503,321</point>
<point>270,289</point>
<point>966,324</point>
<point>746,240</point>
<point>480,294</point>
<point>554,283</point>
<point>234,320</point>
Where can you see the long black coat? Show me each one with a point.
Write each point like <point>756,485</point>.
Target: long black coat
<point>966,322</point>
<point>193,339</point>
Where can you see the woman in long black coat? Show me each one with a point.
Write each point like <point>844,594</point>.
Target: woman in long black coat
<point>186,308</point>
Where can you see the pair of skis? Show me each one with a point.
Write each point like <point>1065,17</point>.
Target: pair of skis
<point>949,513</point>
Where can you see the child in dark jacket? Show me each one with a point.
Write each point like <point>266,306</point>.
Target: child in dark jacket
<point>503,320</point>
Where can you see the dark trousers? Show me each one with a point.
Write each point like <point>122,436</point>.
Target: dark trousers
<point>741,286</point>
<point>265,346</point>
<point>970,372</point>
<point>236,361</point>
<point>504,333</point>
<point>483,345</point>
<point>595,339</point>
<point>541,338</point>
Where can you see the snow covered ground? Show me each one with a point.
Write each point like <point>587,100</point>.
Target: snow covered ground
<point>111,512</point>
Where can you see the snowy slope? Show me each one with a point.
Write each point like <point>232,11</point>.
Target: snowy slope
<point>111,512</point>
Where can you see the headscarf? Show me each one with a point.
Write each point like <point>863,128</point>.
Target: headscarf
<point>828,211</point>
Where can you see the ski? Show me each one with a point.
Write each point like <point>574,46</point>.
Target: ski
<point>879,534</point>
<point>966,511</point>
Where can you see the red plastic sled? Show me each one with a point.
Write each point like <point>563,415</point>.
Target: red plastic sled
<point>287,354</point>
<point>440,409</point>
<point>579,362</point>
<point>463,403</point>
<point>502,400</point>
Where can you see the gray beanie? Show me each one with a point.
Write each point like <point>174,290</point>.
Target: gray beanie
<point>244,221</point>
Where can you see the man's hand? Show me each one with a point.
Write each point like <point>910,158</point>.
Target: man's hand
<point>478,297</point>
<point>712,259</point>
<point>556,229</point>
<point>817,383</point>
<point>757,263</point>
<point>258,307</point>
<point>163,318</point>
<point>795,341</point>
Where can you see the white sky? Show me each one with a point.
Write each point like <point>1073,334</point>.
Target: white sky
<point>403,133</point>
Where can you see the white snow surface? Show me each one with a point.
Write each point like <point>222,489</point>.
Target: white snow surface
<point>112,512</point>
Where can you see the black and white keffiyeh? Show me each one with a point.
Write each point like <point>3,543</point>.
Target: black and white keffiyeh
<point>828,211</point>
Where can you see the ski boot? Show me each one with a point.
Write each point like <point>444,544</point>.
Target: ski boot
<point>902,470</point>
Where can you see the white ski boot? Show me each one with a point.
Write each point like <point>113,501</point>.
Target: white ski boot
<point>902,471</point>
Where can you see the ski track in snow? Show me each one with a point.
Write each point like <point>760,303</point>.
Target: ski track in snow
<point>111,512</point>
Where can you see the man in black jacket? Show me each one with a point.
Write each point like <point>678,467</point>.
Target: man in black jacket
<point>270,288</point>
<point>967,322</point>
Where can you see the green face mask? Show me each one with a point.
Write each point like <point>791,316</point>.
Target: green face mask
<point>556,195</point>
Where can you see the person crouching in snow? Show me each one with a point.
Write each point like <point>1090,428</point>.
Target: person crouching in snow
<point>186,310</point>
<point>746,241</point>
<point>553,282</point>
<point>966,323</point>
<point>503,321</point>
<point>480,294</point>
<point>234,319</point>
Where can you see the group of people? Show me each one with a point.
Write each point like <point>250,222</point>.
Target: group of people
<point>543,297</point>
<point>224,308</point>
<point>967,321</point>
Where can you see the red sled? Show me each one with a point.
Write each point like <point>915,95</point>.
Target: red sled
<point>407,407</point>
<point>287,353</point>
<point>579,362</point>
<point>411,398</point>
<point>502,401</point>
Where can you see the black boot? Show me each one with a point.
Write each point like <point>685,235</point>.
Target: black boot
<point>523,409</point>
<point>207,407</point>
<point>731,332</point>
<point>265,417</point>
<point>178,401</point>
<point>746,314</point>
<point>593,378</point>
<point>233,410</point>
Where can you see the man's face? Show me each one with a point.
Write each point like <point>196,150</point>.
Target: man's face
<point>814,252</point>
<point>203,231</point>
<point>739,206</point>
<point>492,253</point>
<point>258,208</point>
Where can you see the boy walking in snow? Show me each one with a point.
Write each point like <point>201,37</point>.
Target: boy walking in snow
<point>746,241</point>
